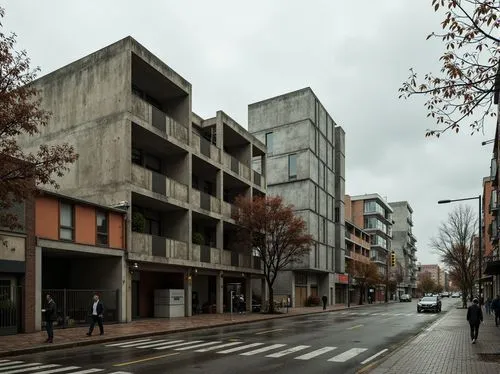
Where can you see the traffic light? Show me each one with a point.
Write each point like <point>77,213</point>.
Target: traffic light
<point>393,258</point>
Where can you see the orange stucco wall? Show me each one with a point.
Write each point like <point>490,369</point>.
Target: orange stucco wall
<point>47,218</point>
<point>116,239</point>
<point>85,225</point>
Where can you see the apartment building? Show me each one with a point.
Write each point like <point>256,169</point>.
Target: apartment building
<point>374,215</point>
<point>129,117</point>
<point>435,272</point>
<point>404,247</point>
<point>357,248</point>
<point>306,166</point>
<point>489,231</point>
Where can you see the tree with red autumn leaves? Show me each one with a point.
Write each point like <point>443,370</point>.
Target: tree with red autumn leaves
<point>20,114</point>
<point>275,233</point>
<point>469,76</point>
<point>365,274</point>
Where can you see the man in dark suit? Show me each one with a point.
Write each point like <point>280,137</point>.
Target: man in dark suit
<point>475,317</point>
<point>50,316</point>
<point>96,313</point>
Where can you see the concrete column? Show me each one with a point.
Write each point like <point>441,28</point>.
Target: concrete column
<point>324,286</point>
<point>219,292</point>
<point>188,294</point>
<point>125,291</point>
<point>219,237</point>
<point>38,288</point>
<point>265,291</point>
<point>248,293</point>
<point>219,183</point>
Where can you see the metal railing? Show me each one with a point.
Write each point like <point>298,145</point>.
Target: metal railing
<point>11,298</point>
<point>73,306</point>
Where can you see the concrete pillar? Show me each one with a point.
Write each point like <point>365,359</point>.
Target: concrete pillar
<point>219,183</point>
<point>323,286</point>
<point>219,292</point>
<point>38,288</point>
<point>248,293</point>
<point>265,291</point>
<point>124,292</point>
<point>219,235</point>
<point>188,294</point>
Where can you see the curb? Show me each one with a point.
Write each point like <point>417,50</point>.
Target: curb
<point>371,366</point>
<point>82,343</point>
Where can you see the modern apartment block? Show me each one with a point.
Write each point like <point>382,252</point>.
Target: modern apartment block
<point>374,215</point>
<point>129,117</point>
<point>490,231</point>
<point>404,246</point>
<point>435,272</point>
<point>357,248</point>
<point>306,166</point>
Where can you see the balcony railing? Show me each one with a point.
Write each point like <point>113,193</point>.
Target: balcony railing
<point>158,183</point>
<point>493,202</point>
<point>203,253</point>
<point>159,246</point>
<point>235,166</point>
<point>205,201</point>
<point>259,179</point>
<point>158,119</point>
<point>229,210</point>
<point>204,147</point>
<point>409,220</point>
<point>493,168</point>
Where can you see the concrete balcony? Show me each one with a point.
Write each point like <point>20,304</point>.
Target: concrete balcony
<point>205,201</point>
<point>259,180</point>
<point>204,147</point>
<point>159,246</point>
<point>216,256</point>
<point>235,166</point>
<point>159,183</point>
<point>159,120</point>
<point>229,210</point>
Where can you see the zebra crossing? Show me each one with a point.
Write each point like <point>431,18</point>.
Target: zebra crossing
<point>241,348</point>
<point>21,367</point>
<point>382,314</point>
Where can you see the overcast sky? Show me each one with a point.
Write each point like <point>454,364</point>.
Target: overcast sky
<point>353,54</point>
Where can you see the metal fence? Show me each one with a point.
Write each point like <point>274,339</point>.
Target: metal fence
<point>11,303</point>
<point>73,306</point>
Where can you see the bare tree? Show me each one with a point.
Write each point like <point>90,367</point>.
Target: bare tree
<point>426,284</point>
<point>455,244</point>
<point>275,232</point>
<point>464,87</point>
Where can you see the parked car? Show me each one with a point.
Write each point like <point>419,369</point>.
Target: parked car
<point>430,303</point>
<point>445,294</point>
<point>405,297</point>
<point>455,294</point>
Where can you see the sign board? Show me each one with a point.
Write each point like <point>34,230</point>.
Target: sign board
<point>341,278</point>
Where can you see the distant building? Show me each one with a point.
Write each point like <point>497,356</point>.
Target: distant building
<point>436,273</point>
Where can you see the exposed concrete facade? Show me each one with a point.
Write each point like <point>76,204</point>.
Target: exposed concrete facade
<point>306,166</point>
<point>404,246</point>
<point>129,117</point>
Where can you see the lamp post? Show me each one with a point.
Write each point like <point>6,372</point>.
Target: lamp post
<point>480,233</point>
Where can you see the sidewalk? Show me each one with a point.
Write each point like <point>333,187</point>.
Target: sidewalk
<point>445,347</point>
<point>72,337</point>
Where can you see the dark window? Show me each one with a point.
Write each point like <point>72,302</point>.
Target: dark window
<point>102,228</point>
<point>292,167</point>
<point>324,230</point>
<point>337,214</point>
<point>5,289</point>
<point>208,188</point>
<point>269,142</point>
<point>66,222</point>
<point>324,177</point>
<point>194,182</point>
<point>152,227</point>
<point>152,163</point>
<point>137,156</point>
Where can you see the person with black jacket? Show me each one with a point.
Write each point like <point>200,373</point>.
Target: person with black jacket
<point>50,312</point>
<point>495,307</point>
<point>475,317</point>
<point>97,314</point>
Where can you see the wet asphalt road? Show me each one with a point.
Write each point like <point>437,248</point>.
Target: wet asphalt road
<point>335,342</point>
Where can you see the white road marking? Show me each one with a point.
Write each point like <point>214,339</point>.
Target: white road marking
<point>315,353</point>
<point>129,342</point>
<point>241,348</point>
<point>178,345</point>
<point>268,331</point>
<point>156,343</point>
<point>262,350</point>
<point>8,363</point>
<point>196,346</point>
<point>218,347</point>
<point>410,314</point>
<point>87,371</point>
<point>4,360</point>
<point>288,351</point>
<point>58,370</point>
<point>363,314</point>
<point>375,314</point>
<point>33,368</point>
<point>19,366</point>
<point>139,344</point>
<point>344,313</point>
<point>374,356</point>
<point>347,355</point>
<point>399,314</point>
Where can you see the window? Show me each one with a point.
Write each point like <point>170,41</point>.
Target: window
<point>325,177</point>
<point>137,156</point>
<point>269,142</point>
<point>324,231</point>
<point>152,227</point>
<point>337,214</point>
<point>292,167</point>
<point>102,228</point>
<point>152,163</point>
<point>5,289</point>
<point>194,182</point>
<point>66,222</point>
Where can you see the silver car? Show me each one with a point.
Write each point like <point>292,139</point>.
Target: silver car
<point>430,303</point>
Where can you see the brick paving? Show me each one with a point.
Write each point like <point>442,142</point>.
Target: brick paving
<point>445,348</point>
<point>64,338</point>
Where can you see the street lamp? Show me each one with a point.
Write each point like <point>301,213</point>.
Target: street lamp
<point>480,233</point>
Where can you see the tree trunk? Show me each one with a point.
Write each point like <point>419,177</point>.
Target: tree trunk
<point>361,293</point>
<point>271,299</point>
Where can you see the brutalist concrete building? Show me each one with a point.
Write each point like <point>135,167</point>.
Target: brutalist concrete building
<point>129,117</point>
<point>404,246</point>
<point>306,166</point>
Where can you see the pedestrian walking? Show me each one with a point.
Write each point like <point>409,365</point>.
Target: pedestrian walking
<point>475,317</point>
<point>495,307</point>
<point>324,299</point>
<point>97,315</point>
<point>50,312</point>
<point>487,305</point>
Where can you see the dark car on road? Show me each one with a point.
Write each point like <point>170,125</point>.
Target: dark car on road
<point>404,298</point>
<point>429,303</point>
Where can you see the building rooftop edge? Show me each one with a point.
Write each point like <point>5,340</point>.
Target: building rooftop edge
<point>372,196</point>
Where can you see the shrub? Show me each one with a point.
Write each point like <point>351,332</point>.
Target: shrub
<point>138,222</point>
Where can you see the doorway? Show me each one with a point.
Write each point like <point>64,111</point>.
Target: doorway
<point>135,299</point>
